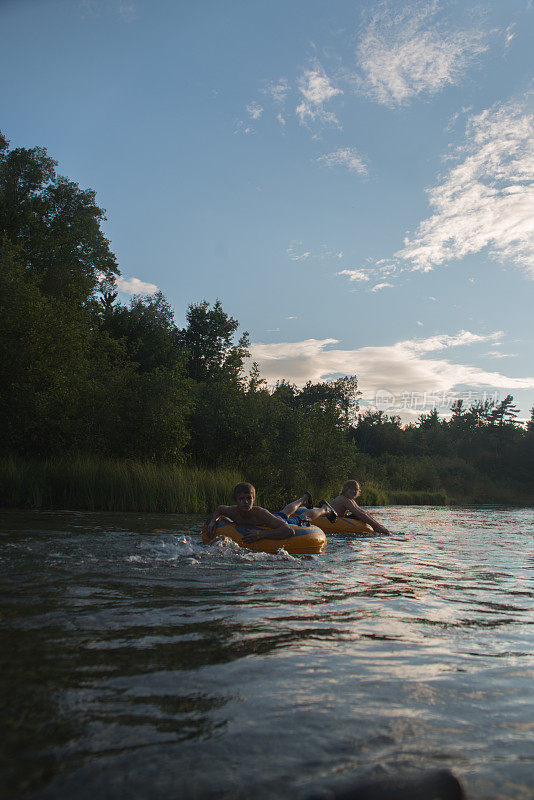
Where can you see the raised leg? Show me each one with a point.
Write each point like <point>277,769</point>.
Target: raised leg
<point>291,508</point>
<point>324,510</point>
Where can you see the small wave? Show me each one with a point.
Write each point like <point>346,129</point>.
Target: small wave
<point>184,549</point>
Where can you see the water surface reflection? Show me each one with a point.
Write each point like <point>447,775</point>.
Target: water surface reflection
<point>136,661</point>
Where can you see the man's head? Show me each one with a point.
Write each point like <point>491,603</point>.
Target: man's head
<point>244,496</point>
<point>351,489</point>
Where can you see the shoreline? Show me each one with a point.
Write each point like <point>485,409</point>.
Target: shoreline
<point>87,483</point>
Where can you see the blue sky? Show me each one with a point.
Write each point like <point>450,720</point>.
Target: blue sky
<point>354,180</point>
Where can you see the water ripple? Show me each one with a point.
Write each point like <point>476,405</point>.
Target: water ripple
<point>124,636</point>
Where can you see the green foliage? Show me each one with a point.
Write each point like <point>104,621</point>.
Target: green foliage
<point>419,498</point>
<point>147,329</point>
<point>78,374</point>
<point>208,341</point>
<point>53,226</point>
<point>86,482</point>
<point>103,403</point>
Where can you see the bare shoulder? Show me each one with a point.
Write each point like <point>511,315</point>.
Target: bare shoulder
<point>339,503</point>
<point>227,511</point>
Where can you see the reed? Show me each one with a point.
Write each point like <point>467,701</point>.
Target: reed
<point>94,484</point>
<point>420,498</point>
<point>374,496</point>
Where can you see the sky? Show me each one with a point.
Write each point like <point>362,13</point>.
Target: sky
<point>353,180</point>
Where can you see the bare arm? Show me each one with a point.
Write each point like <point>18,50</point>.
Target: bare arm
<point>279,528</point>
<point>220,511</point>
<point>362,515</point>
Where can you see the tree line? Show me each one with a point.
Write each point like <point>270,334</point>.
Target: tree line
<point>83,373</point>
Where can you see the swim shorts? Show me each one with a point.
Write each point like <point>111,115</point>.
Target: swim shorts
<point>295,520</point>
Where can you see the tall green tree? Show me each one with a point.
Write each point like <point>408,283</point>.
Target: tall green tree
<point>208,339</point>
<point>54,226</point>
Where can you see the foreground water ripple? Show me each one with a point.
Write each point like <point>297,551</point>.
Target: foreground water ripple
<point>138,662</point>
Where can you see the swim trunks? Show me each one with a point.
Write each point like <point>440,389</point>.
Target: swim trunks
<point>294,520</point>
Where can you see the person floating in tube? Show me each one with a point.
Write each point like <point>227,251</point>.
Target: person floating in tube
<point>244,512</point>
<point>345,506</point>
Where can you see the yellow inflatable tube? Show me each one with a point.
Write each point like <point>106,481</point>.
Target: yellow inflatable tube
<point>342,525</point>
<point>306,541</point>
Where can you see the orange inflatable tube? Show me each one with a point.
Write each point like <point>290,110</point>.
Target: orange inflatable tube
<point>306,541</point>
<point>343,525</point>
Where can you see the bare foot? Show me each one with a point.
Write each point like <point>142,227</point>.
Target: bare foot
<point>306,500</point>
<point>330,514</point>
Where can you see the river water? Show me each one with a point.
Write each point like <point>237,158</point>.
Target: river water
<point>137,662</point>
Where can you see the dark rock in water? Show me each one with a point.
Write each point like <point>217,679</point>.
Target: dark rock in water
<point>436,785</point>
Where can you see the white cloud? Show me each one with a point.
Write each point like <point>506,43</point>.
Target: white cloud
<point>316,89</point>
<point>277,90</point>
<point>294,254</point>
<point>407,52</point>
<point>127,10</point>
<point>135,286</point>
<point>345,156</point>
<point>243,127</point>
<point>380,286</point>
<point>401,367</point>
<point>377,271</point>
<point>354,274</point>
<point>486,200</point>
<point>255,110</point>
<point>444,341</point>
<point>509,35</point>
<point>281,120</point>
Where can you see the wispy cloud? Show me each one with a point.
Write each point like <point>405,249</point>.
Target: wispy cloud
<point>404,366</point>
<point>347,157</point>
<point>135,286</point>
<point>380,286</point>
<point>354,274</point>
<point>255,110</point>
<point>497,354</point>
<point>509,35</point>
<point>381,271</point>
<point>127,10</point>
<point>243,127</point>
<point>277,90</point>
<point>408,52</point>
<point>444,341</point>
<point>485,201</point>
<point>316,90</point>
<point>297,252</point>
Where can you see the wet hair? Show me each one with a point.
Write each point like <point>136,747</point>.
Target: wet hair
<point>351,485</point>
<point>244,487</point>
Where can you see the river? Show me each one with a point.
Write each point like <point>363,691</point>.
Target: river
<point>137,662</point>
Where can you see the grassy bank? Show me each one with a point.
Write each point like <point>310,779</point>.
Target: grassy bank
<point>94,484</point>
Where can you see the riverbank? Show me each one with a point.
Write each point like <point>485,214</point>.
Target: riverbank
<point>95,484</point>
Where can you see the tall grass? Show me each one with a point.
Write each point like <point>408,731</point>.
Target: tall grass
<point>95,484</point>
<point>89,483</point>
<point>418,498</point>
